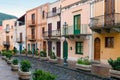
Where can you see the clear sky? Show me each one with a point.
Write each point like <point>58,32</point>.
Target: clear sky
<point>19,7</point>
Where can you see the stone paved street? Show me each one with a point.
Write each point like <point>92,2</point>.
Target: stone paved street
<point>62,73</point>
<point>6,73</point>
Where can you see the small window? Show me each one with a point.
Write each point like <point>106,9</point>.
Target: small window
<point>109,42</point>
<point>43,14</point>
<point>11,37</point>
<point>79,47</point>
<point>43,30</point>
<point>54,10</point>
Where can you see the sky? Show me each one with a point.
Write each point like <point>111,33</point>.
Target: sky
<point>19,7</point>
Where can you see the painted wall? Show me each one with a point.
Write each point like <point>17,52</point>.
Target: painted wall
<point>11,23</point>
<point>68,16</point>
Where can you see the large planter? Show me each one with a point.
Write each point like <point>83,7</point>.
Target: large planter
<point>9,61</point>
<point>114,73</point>
<point>30,55</point>
<point>53,60</point>
<point>4,57</point>
<point>24,75</point>
<point>36,56</point>
<point>44,58</point>
<point>14,67</point>
<point>83,67</point>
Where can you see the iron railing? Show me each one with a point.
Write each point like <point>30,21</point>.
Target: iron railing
<point>31,37</point>
<point>84,29</point>
<point>52,14</point>
<point>6,42</point>
<point>53,33</point>
<point>105,20</point>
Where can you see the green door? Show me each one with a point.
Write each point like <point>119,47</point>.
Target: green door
<point>65,49</point>
<point>20,48</point>
<point>77,23</point>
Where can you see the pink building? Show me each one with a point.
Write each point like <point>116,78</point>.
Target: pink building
<point>75,17</point>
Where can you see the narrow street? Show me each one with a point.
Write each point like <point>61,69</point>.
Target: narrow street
<point>5,71</point>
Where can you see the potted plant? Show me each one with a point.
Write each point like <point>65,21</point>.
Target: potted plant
<point>3,54</point>
<point>29,53</point>
<point>53,58</point>
<point>115,64</point>
<point>23,52</point>
<point>15,51</point>
<point>36,54</point>
<point>41,75</point>
<point>24,72</point>
<point>9,56</point>
<point>14,65</point>
<point>83,63</point>
<point>43,55</point>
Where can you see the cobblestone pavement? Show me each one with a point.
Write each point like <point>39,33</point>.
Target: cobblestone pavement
<point>62,73</point>
<point>5,71</point>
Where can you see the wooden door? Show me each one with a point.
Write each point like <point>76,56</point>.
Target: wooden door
<point>49,29</point>
<point>21,37</point>
<point>33,33</point>
<point>97,49</point>
<point>49,47</point>
<point>109,12</point>
<point>58,50</point>
<point>44,46</point>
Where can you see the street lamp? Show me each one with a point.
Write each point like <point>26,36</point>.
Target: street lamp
<point>65,42</point>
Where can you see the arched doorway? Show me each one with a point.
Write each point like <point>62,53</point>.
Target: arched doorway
<point>65,49</point>
<point>97,49</point>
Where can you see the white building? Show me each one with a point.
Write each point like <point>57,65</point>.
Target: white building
<point>20,34</point>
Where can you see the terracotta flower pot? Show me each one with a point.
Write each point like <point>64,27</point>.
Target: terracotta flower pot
<point>24,75</point>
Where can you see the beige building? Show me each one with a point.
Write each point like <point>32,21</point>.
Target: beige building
<point>8,33</point>
<point>36,23</point>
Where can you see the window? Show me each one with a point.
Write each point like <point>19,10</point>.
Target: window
<point>109,42</point>
<point>79,47</point>
<point>58,25</point>
<point>11,37</point>
<point>54,10</point>
<point>43,14</point>
<point>43,30</point>
<point>33,18</point>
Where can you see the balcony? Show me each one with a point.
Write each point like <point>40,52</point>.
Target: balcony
<point>82,33</point>
<point>31,23</point>
<point>52,14</point>
<point>7,30</point>
<point>54,34</point>
<point>19,40</point>
<point>106,23</point>
<point>6,43</point>
<point>31,38</point>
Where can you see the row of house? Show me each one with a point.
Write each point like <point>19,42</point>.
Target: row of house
<point>69,28</point>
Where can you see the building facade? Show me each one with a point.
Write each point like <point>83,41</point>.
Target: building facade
<point>53,29</point>
<point>76,34</point>
<point>8,34</point>
<point>36,23</point>
<point>1,38</point>
<point>105,20</point>
<point>20,34</point>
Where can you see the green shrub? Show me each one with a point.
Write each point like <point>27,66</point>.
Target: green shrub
<point>9,55</point>
<point>43,54</point>
<point>15,50</point>
<point>84,61</point>
<point>4,53</point>
<point>25,65</point>
<point>52,55</point>
<point>23,51</point>
<point>41,75</point>
<point>36,52</point>
<point>115,63</point>
<point>15,62</point>
<point>29,52</point>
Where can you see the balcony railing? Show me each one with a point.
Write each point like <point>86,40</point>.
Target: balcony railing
<point>6,43</point>
<point>84,30</point>
<point>105,21</point>
<point>53,33</point>
<point>31,23</point>
<point>31,37</point>
<point>52,14</point>
<point>19,40</point>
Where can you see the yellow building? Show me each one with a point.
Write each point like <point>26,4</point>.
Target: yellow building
<point>105,24</point>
